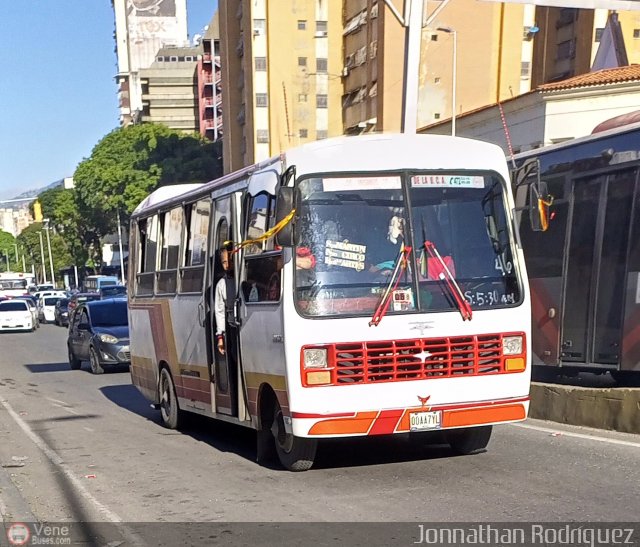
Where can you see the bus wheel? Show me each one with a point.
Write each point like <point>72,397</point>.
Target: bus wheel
<point>169,410</point>
<point>472,440</point>
<point>294,453</point>
<point>626,378</point>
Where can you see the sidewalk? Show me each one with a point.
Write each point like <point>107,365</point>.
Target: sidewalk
<point>613,408</point>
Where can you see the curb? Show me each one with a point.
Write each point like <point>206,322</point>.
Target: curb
<point>616,409</point>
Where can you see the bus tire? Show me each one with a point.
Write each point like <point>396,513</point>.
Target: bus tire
<point>294,453</point>
<point>169,410</point>
<point>626,378</point>
<point>471,440</point>
<point>74,363</point>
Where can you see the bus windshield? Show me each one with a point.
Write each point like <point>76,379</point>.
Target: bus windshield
<point>359,230</point>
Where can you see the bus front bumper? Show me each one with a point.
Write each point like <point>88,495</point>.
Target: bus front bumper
<point>414,419</point>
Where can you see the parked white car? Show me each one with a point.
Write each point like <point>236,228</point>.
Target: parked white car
<point>47,308</point>
<point>15,315</point>
<point>41,294</point>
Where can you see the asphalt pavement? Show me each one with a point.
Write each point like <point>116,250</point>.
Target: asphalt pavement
<point>76,447</point>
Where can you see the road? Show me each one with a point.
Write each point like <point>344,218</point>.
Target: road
<point>79,447</point>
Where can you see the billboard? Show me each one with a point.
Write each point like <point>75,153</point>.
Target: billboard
<point>620,5</point>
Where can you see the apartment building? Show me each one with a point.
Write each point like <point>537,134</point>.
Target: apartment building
<point>281,76</point>
<point>568,40</point>
<point>170,89</point>
<point>142,28</point>
<point>210,83</point>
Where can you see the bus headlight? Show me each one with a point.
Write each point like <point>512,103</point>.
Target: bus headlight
<point>512,345</point>
<point>314,358</point>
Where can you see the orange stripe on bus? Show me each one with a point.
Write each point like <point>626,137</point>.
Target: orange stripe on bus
<point>360,424</point>
<point>386,422</point>
<point>476,416</point>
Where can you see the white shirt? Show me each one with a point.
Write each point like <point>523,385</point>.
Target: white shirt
<point>219,305</point>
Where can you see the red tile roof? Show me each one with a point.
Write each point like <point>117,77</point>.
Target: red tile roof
<point>600,77</point>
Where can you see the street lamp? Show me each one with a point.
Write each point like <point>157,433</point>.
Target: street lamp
<point>44,269</point>
<point>454,35</point>
<point>46,227</point>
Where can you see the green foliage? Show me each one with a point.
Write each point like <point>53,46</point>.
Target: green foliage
<point>29,244</point>
<point>129,163</point>
<point>124,167</point>
<point>6,247</point>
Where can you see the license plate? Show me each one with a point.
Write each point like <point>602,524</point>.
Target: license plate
<point>419,421</point>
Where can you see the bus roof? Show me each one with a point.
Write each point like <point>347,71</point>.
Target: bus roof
<point>578,140</point>
<point>347,154</point>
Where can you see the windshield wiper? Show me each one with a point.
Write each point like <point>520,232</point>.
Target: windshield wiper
<point>394,281</point>
<point>445,275</point>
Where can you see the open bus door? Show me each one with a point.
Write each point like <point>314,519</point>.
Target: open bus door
<point>596,266</point>
<point>223,367</point>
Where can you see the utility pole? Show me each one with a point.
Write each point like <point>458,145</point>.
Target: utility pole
<point>53,277</point>
<point>44,269</point>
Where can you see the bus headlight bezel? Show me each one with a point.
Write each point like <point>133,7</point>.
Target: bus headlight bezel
<point>512,345</point>
<point>314,358</point>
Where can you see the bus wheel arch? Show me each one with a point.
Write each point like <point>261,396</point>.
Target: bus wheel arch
<point>170,412</point>
<point>294,453</point>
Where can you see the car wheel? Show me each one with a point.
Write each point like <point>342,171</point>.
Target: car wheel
<point>95,363</point>
<point>169,408</point>
<point>294,453</point>
<point>74,363</point>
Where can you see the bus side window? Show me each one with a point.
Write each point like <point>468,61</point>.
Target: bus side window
<point>260,218</point>
<point>194,256</point>
<point>262,280</point>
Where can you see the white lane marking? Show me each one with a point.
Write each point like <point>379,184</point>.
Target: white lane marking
<point>564,433</point>
<point>58,401</point>
<point>58,461</point>
<point>63,405</point>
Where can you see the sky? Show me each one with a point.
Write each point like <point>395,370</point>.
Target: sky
<point>58,94</point>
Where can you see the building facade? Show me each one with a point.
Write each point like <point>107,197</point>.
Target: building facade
<point>170,89</point>
<point>281,76</point>
<point>553,112</point>
<point>210,83</point>
<point>142,28</point>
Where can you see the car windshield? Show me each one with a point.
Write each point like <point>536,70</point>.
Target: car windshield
<point>51,301</point>
<point>87,297</point>
<point>63,303</point>
<point>109,314</point>
<point>367,240</point>
<point>13,305</point>
<point>113,291</point>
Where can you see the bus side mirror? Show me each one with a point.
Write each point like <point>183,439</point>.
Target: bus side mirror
<point>539,203</point>
<point>284,205</point>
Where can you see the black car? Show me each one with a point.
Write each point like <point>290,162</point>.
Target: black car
<point>113,291</point>
<point>76,299</point>
<point>61,312</point>
<point>99,333</point>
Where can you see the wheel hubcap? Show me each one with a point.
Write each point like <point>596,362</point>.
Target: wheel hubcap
<point>166,397</point>
<point>284,439</point>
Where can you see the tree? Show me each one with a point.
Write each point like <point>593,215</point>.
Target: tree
<point>29,241</point>
<point>131,162</point>
<point>6,248</point>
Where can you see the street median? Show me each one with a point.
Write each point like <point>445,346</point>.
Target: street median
<point>616,409</point>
